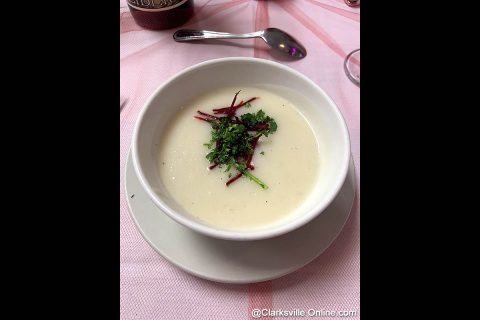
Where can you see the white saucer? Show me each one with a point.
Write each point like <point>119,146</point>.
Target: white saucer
<point>235,261</point>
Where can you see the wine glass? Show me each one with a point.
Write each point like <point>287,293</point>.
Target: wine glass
<point>352,61</point>
<point>351,65</point>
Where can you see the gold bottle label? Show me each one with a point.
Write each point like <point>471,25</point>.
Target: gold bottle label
<point>155,5</point>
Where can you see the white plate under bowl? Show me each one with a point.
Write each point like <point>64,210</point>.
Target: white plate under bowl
<point>237,261</point>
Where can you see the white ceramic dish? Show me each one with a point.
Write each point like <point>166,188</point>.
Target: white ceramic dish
<point>324,117</point>
<point>236,261</point>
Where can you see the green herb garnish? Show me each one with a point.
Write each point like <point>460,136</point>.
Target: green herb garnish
<point>233,139</point>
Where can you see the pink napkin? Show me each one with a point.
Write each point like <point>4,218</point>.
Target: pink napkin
<point>151,287</point>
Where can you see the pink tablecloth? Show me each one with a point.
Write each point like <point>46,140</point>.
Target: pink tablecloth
<point>151,287</point>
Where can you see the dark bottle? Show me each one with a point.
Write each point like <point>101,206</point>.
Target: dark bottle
<point>160,14</point>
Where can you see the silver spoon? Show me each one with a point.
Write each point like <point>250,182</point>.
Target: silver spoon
<point>275,38</point>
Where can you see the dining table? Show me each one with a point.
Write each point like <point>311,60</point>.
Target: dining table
<point>153,288</point>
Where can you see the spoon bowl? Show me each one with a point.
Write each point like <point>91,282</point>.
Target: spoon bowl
<point>282,41</point>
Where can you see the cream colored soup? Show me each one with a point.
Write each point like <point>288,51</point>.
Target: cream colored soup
<point>289,165</point>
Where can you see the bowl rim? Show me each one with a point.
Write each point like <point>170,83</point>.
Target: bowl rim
<point>232,234</point>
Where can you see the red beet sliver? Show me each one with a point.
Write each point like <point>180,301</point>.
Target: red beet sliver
<point>232,109</point>
<point>250,157</point>
<point>259,127</point>
<point>233,179</point>
<point>208,115</point>
<point>234,99</point>
<point>200,118</point>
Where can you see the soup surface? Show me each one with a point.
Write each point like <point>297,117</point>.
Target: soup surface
<point>287,161</point>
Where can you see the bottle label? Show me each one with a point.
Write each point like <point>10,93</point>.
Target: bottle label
<point>155,5</point>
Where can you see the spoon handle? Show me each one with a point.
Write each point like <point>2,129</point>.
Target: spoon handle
<point>189,35</point>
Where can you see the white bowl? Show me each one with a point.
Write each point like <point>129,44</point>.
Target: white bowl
<point>323,115</point>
